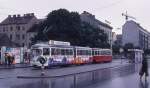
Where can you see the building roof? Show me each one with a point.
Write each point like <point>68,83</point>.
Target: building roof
<point>104,24</point>
<point>138,25</point>
<point>17,19</point>
<point>96,22</point>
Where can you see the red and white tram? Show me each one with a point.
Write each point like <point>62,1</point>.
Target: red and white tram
<point>101,55</point>
<point>54,54</point>
<point>66,54</point>
<point>82,55</point>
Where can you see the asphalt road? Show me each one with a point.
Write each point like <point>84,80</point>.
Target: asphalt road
<point>104,75</point>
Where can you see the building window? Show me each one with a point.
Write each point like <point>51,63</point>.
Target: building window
<point>23,44</point>
<point>23,36</point>
<point>18,36</point>
<point>18,28</point>
<point>23,28</point>
<point>29,44</point>
<point>11,28</point>
<point>11,36</point>
<point>3,29</point>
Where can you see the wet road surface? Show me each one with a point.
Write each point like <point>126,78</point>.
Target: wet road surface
<point>118,76</point>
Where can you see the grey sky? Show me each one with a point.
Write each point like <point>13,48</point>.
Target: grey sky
<point>102,9</point>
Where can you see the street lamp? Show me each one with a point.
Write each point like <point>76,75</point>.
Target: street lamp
<point>121,51</point>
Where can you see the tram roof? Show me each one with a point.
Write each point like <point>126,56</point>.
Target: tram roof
<point>61,46</point>
<point>100,49</point>
<point>47,45</point>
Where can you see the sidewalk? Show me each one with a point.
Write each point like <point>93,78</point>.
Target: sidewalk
<point>14,66</point>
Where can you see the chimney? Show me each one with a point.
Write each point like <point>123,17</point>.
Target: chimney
<point>28,15</point>
<point>14,16</point>
<point>18,15</point>
<point>9,16</point>
<point>24,15</point>
<point>32,14</point>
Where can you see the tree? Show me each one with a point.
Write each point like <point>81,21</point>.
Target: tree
<point>93,37</point>
<point>116,49</point>
<point>147,51</point>
<point>128,46</point>
<point>63,25</point>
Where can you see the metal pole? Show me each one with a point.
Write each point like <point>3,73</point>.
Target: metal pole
<point>42,69</point>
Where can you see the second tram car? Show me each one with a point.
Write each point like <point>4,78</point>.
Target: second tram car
<point>82,55</point>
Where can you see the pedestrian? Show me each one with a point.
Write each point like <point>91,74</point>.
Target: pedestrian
<point>12,59</point>
<point>9,59</point>
<point>6,58</point>
<point>144,68</point>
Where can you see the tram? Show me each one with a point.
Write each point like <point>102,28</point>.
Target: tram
<point>65,54</point>
<point>54,54</point>
<point>101,55</point>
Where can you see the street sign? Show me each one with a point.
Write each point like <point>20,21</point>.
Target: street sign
<point>121,50</point>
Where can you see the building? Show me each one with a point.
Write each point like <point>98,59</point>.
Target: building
<point>16,27</point>
<point>5,41</point>
<point>133,33</point>
<point>89,18</point>
<point>114,37</point>
<point>119,39</point>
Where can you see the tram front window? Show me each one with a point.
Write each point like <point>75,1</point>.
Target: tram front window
<point>36,52</point>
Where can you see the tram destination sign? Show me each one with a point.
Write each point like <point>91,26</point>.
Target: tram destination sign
<point>52,42</point>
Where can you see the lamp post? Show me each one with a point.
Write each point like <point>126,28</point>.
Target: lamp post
<point>121,51</point>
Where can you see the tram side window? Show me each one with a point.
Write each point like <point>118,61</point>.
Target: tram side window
<point>108,52</point>
<point>56,51</point>
<point>46,51</point>
<point>62,52</point>
<point>53,51</point>
<point>103,52</point>
<point>69,52</point>
<point>78,52</point>
<point>89,52</point>
<point>96,52</point>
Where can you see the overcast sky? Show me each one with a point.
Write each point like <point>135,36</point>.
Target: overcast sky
<point>110,10</point>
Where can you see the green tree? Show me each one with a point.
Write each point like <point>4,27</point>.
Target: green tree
<point>63,25</point>
<point>116,49</point>
<point>126,47</point>
<point>147,51</point>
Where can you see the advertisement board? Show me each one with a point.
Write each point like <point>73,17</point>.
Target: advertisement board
<point>16,52</point>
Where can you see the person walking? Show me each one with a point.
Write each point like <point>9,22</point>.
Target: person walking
<point>6,58</point>
<point>9,59</point>
<point>144,68</point>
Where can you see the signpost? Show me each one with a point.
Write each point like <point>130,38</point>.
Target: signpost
<point>42,60</point>
<point>121,51</point>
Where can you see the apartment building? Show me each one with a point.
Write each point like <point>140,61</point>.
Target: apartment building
<point>133,32</point>
<point>16,27</point>
<point>89,18</point>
